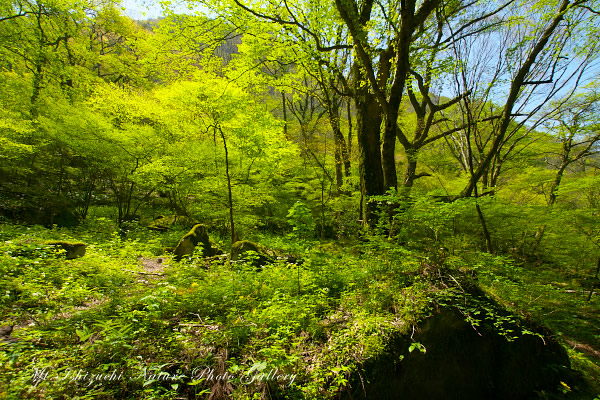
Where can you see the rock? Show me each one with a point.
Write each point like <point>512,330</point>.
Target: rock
<point>63,217</point>
<point>73,249</point>
<point>241,247</point>
<point>5,332</point>
<point>188,243</point>
<point>463,362</point>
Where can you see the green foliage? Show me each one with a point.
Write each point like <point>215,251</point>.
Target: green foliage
<point>300,217</point>
<point>102,319</point>
<point>107,125</point>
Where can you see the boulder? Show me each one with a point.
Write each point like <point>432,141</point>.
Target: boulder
<point>464,362</point>
<point>48,217</point>
<point>72,249</point>
<point>241,248</point>
<point>187,244</point>
<point>5,332</point>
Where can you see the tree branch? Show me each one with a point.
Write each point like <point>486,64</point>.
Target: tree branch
<point>295,22</point>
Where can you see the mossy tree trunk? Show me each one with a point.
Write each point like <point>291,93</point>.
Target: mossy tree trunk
<point>368,133</point>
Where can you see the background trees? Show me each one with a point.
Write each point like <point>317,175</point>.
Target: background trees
<point>278,122</point>
<point>260,104</point>
<point>54,55</point>
<point>282,119</point>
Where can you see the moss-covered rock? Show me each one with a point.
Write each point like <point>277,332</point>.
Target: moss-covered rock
<point>197,235</point>
<point>240,250</point>
<point>72,249</point>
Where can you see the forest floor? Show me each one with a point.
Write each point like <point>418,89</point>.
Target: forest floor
<point>558,300</point>
<point>126,306</point>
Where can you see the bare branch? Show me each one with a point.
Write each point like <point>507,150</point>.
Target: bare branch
<point>295,22</point>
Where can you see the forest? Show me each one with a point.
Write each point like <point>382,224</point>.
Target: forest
<point>267,199</point>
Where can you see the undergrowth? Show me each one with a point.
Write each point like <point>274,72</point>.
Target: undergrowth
<point>102,327</point>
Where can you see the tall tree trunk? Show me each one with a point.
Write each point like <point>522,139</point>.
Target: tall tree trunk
<point>557,179</point>
<point>411,167</point>
<point>349,113</point>
<point>565,161</point>
<point>339,179</point>
<point>368,121</point>
<point>234,237</point>
<point>485,180</point>
<point>341,152</point>
<point>285,127</point>
<point>595,282</point>
<point>36,90</point>
<point>486,233</point>
<point>388,152</point>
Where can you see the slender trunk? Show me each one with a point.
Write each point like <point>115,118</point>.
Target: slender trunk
<point>485,178</point>
<point>553,196</point>
<point>556,184</point>
<point>61,173</point>
<point>595,282</point>
<point>87,198</point>
<point>341,152</point>
<point>339,180</point>
<point>129,198</point>
<point>494,178</point>
<point>486,233</point>
<point>285,128</point>
<point>338,139</point>
<point>396,90</point>
<point>323,208</point>
<point>348,112</point>
<point>234,237</point>
<point>37,87</point>
<point>539,235</point>
<point>118,200</point>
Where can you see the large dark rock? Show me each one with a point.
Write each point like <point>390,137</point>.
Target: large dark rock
<point>72,249</point>
<point>62,217</point>
<point>465,362</point>
<point>5,332</point>
<point>247,250</point>
<point>197,236</point>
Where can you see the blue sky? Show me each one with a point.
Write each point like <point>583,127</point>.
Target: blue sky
<point>144,9</point>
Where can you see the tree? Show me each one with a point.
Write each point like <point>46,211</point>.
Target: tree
<point>539,63</point>
<point>214,107</point>
<point>389,41</point>
<point>135,133</point>
<point>55,53</point>
<point>574,125</point>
